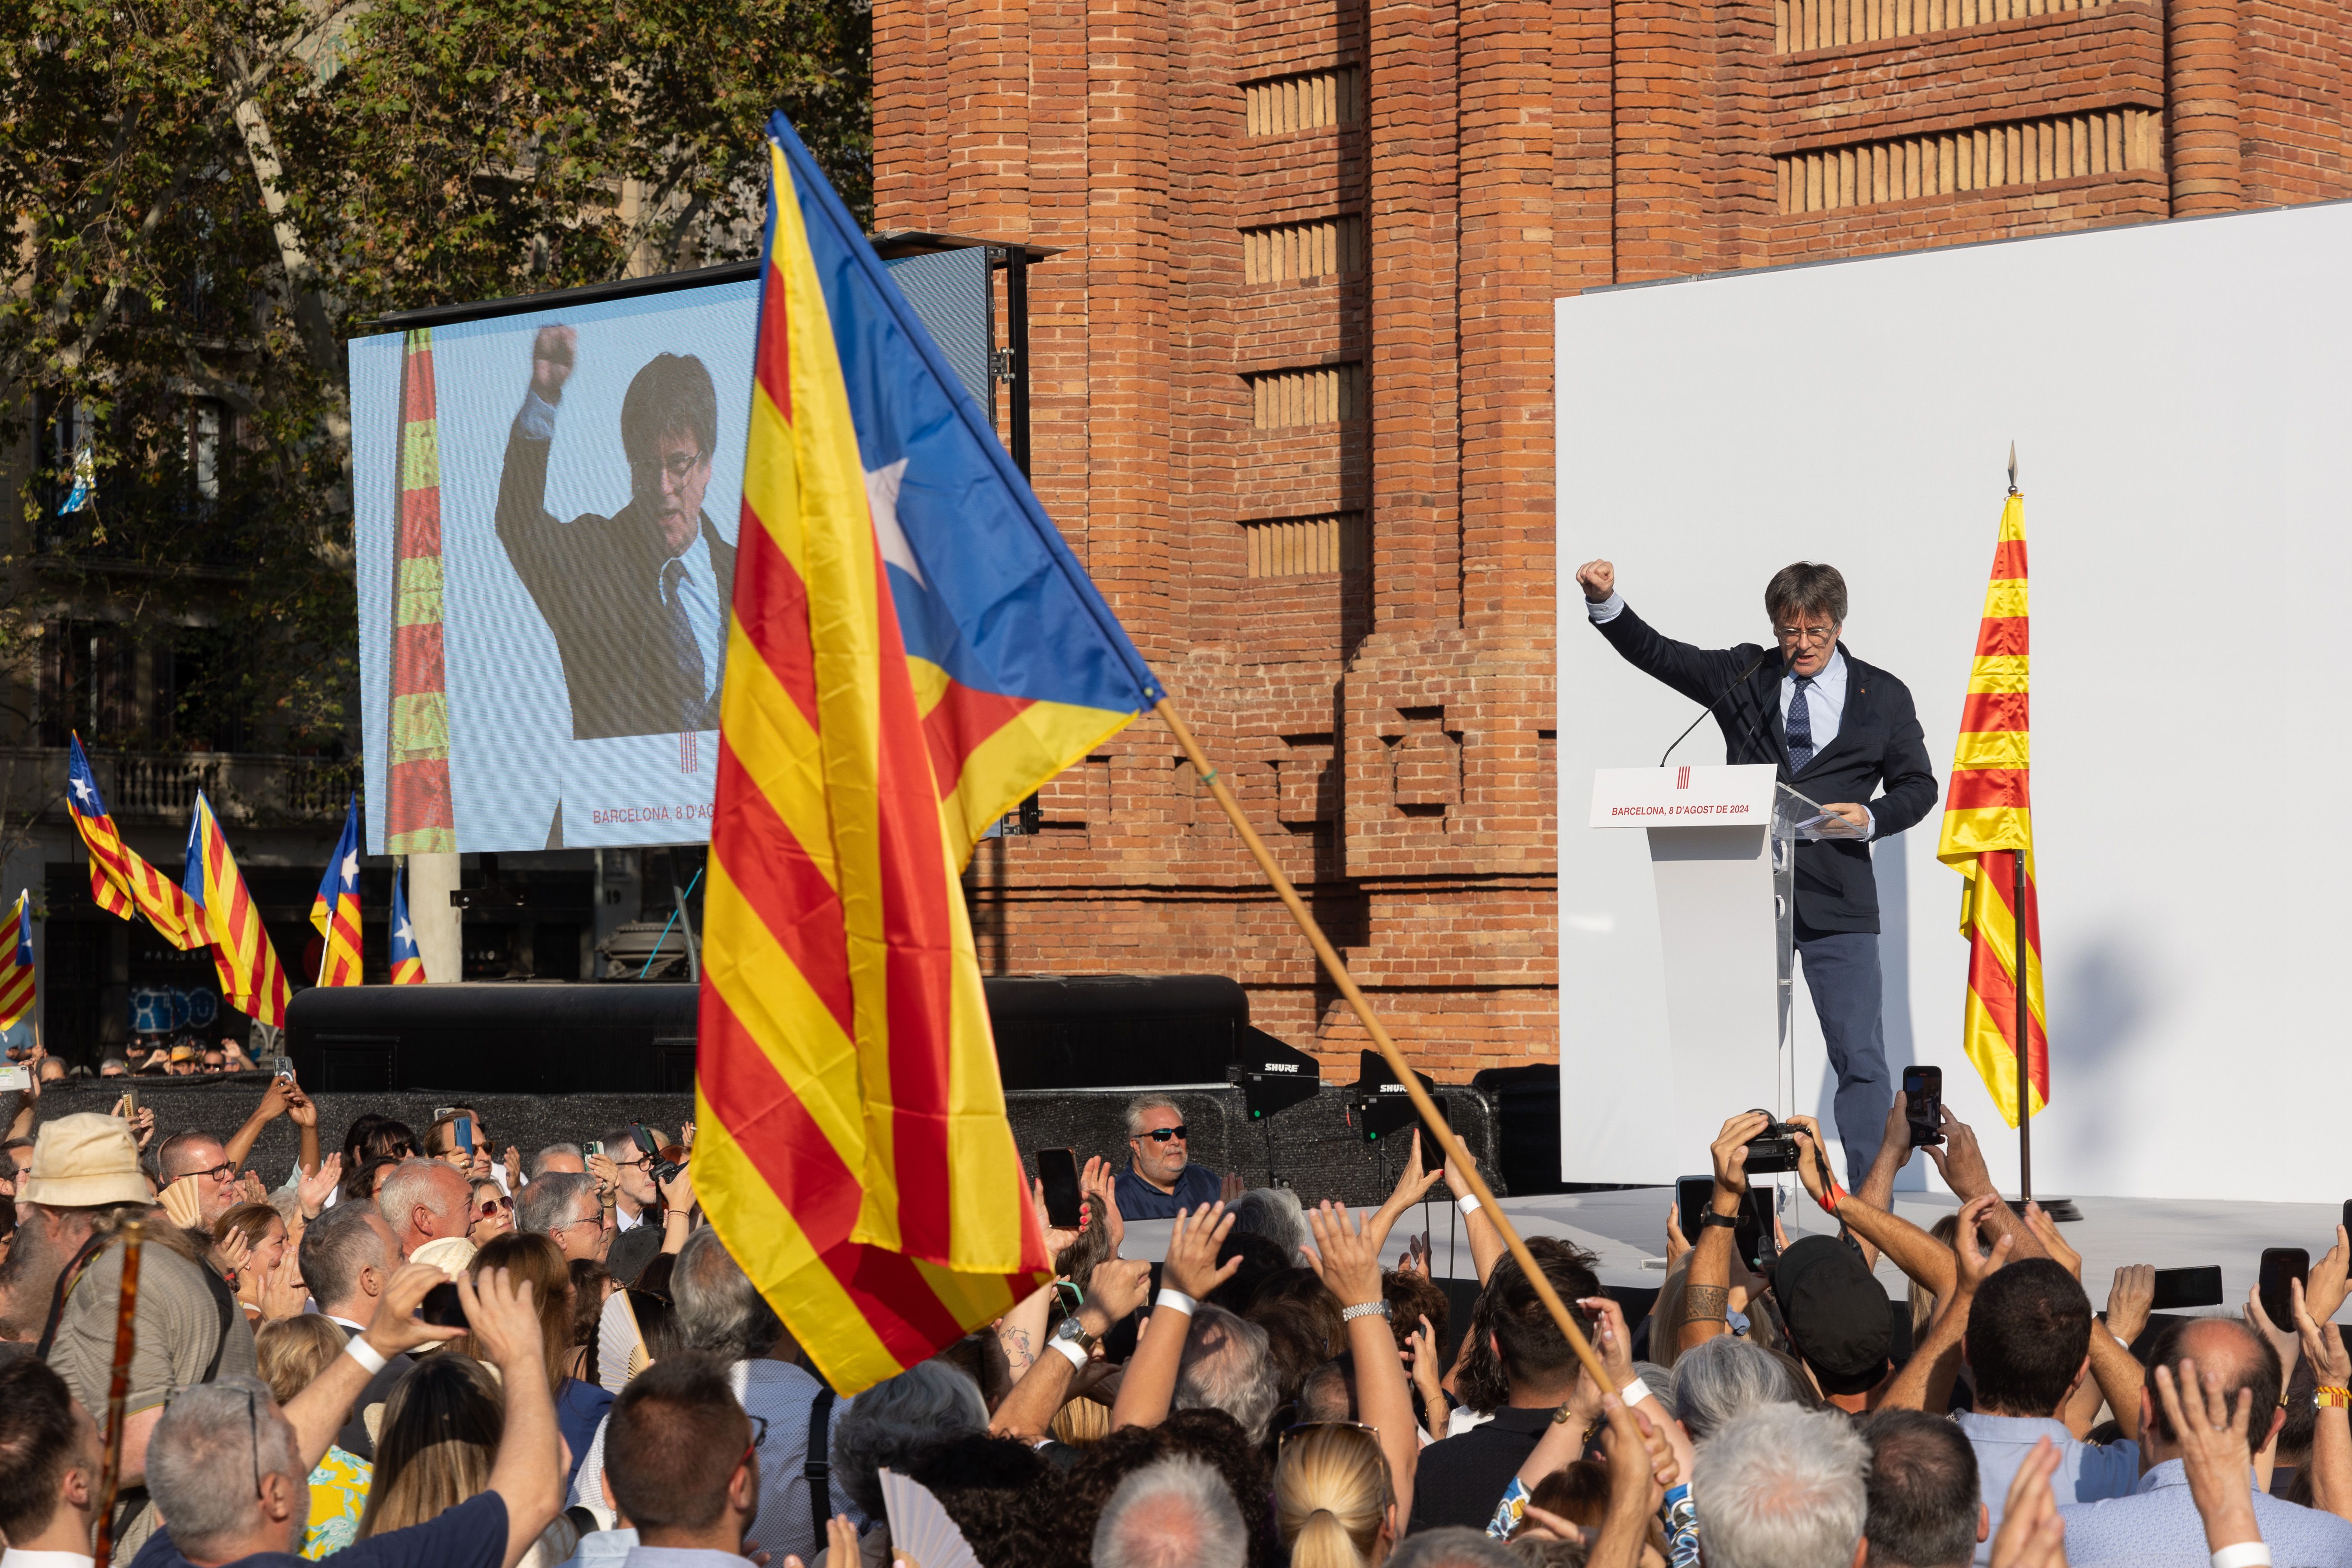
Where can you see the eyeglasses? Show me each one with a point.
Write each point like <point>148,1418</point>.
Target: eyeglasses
<point>1161,1134</point>
<point>252,1426</point>
<point>677,466</point>
<point>1812,637</point>
<point>224,1170</point>
<point>596,1219</point>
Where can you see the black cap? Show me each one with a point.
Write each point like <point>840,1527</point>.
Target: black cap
<point>1837,1314</point>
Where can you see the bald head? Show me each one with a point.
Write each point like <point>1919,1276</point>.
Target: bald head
<point>2243,1359</point>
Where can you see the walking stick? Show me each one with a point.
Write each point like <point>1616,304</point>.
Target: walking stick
<point>118,1386</point>
<point>1337,971</point>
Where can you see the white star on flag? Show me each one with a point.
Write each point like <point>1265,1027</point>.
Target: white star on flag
<point>82,787</point>
<point>351,873</point>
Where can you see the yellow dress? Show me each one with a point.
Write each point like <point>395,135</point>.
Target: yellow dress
<point>339,1490</point>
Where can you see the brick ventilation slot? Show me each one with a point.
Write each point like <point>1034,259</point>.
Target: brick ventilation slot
<point>1285,105</point>
<point>1802,24</point>
<point>2028,152</point>
<point>1319,394</point>
<point>1319,247</point>
<point>1306,546</point>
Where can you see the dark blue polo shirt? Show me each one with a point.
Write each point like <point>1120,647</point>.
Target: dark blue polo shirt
<point>1139,1199</point>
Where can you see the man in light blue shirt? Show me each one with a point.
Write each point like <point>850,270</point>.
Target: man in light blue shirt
<point>2158,1526</point>
<point>2028,1345</point>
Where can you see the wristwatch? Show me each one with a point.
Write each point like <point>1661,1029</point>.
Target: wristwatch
<point>1070,1331</point>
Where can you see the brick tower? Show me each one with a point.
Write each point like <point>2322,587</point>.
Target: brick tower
<point>1292,382</point>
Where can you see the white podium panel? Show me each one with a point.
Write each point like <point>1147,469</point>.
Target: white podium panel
<point>1719,841</point>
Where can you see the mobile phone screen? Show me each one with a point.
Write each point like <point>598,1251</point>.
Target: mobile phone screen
<point>1692,1194</point>
<point>2281,1264</point>
<point>1058,1169</point>
<point>1923,1100</point>
<point>2178,1287</point>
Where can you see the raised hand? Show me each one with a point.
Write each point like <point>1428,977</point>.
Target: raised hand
<point>2045,1231</point>
<point>1412,1186</point>
<point>1598,579</point>
<point>274,1102</point>
<point>1191,1268</point>
<point>678,1193</point>
<point>1977,1265</point>
<point>143,1126</point>
<point>396,1329</point>
<point>278,1291</point>
<point>232,1251</point>
<point>1959,1161</point>
<point>502,1318</point>
<point>600,1166</point>
<point>2211,1437</point>
<point>514,1165</point>
<point>1347,1258</point>
<point>1677,1242</point>
<point>2325,1289</point>
<point>1428,1377</point>
<point>2130,1300</point>
<point>1100,1182</point>
<point>315,1188</point>
<point>2283,1338</point>
<point>300,1109</point>
<point>1729,1155</point>
<point>1809,1167</point>
<point>553,352</point>
<point>1230,1187</point>
<point>1117,1287</point>
<point>2323,1341</point>
<point>1058,1237</point>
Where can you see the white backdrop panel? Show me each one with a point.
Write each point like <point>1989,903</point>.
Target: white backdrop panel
<point>2177,393</point>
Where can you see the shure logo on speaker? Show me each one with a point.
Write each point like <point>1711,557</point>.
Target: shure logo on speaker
<point>1281,1067</point>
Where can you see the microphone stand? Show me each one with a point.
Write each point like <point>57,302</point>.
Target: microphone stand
<point>1737,683</point>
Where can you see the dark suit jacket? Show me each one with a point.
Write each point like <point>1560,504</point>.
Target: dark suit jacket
<point>598,581</point>
<point>354,1439</point>
<point>1879,742</point>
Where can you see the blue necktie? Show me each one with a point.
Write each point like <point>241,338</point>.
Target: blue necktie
<point>683,644</point>
<point>1800,728</point>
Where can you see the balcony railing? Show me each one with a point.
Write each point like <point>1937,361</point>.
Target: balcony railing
<point>160,786</point>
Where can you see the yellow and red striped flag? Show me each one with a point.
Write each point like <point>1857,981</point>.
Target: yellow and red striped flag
<point>121,882</point>
<point>913,650</point>
<point>252,980</point>
<point>16,962</point>
<point>1989,822</point>
<point>336,909</point>
<point>408,962</point>
<point>418,816</point>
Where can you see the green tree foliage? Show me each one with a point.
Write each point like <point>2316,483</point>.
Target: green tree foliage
<point>210,195</point>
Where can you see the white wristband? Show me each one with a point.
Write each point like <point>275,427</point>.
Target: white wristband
<point>1177,1301</point>
<point>360,1350</point>
<point>1633,1393</point>
<point>2244,1554</point>
<point>1069,1348</point>
<point>1467,1203</point>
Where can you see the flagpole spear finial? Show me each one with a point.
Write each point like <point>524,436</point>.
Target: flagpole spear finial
<point>2012,468</point>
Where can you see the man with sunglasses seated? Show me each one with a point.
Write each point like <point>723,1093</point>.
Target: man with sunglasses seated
<point>1161,1178</point>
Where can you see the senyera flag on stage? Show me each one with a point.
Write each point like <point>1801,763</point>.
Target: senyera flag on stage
<point>1989,822</point>
<point>913,650</point>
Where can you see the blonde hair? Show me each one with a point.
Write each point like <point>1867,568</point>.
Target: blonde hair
<point>1081,1422</point>
<point>292,1352</point>
<point>1331,1496</point>
<point>1923,1300</point>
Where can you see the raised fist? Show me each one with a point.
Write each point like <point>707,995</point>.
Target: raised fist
<point>551,352</point>
<point>1597,578</point>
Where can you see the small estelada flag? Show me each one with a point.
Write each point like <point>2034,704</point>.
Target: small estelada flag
<point>16,962</point>
<point>1987,824</point>
<point>121,882</point>
<point>252,980</point>
<point>336,911</point>
<point>407,962</point>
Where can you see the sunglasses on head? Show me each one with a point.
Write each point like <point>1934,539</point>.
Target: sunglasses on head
<point>1161,1134</point>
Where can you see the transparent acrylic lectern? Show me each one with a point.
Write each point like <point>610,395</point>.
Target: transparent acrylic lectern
<point>1722,851</point>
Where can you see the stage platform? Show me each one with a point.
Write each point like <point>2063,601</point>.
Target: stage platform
<point>1627,1230</point>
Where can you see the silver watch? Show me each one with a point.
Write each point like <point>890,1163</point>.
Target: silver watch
<point>1366,1310</point>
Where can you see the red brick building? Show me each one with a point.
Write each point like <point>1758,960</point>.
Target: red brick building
<point>1292,370</point>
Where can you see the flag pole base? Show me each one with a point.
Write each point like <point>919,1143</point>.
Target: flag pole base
<point>2060,1209</point>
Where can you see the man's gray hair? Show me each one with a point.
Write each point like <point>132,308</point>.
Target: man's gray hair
<point>1176,1513</point>
<point>1452,1546</point>
<point>1275,1213</point>
<point>538,1160</point>
<point>106,1062</point>
<point>1724,1378</point>
<point>1143,1102</point>
<point>335,1248</point>
<point>410,1185</point>
<point>1227,1366</point>
<point>719,1308</point>
<point>1784,1488</point>
<point>203,1456</point>
<point>552,1200</point>
<point>896,1418</point>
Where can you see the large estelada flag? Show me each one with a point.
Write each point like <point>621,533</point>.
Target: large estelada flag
<point>252,980</point>
<point>121,882</point>
<point>913,649</point>
<point>16,962</point>
<point>336,909</point>
<point>1989,822</point>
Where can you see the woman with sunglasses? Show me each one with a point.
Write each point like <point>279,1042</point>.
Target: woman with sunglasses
<point>490,1213</point>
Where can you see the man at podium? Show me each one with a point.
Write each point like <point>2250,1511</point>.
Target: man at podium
<point>1837,729</point>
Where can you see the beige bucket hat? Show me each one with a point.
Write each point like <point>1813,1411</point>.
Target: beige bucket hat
<point>83,1161</point>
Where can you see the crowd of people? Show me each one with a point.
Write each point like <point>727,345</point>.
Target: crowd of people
<point>426,1349</point>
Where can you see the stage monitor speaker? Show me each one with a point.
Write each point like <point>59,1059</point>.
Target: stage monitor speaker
<point>1381,1107</point>
<point>1271,1076</point>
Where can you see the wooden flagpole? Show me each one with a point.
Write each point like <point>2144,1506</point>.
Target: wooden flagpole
<point>117,1388</point>
<point>1337,971</point>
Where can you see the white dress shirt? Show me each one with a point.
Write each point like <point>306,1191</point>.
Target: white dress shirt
<point>1825,699</point>
<point>18,1557</point>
